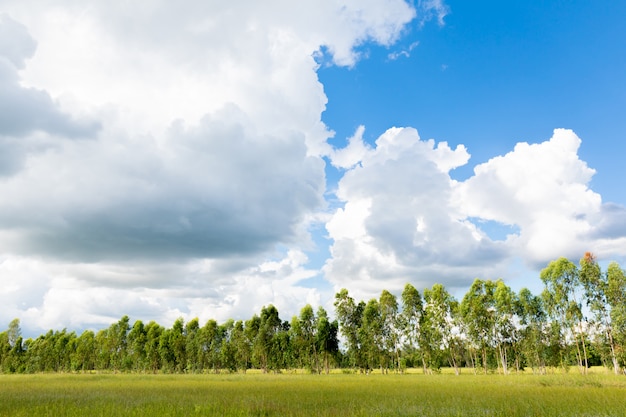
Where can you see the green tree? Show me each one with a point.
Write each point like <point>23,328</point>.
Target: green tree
<point>562,283</point>
<point>596,291</point>
<point>505,331</point>
<point>153,341</point>
<point>136,347</point>
<point>84,355</point>
<point>265,341</point>
<point>304,332</point>
<point>242,346</point>
<point>326,337</point>
<point>350,317</point>
<point>388,304</point>
<point>533,322</point>
<point>436,339</point>
<point>479,316</point>
<point>371,335</point>
<point>616,299</point>
<point>411,319</point>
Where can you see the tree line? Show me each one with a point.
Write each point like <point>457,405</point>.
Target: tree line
<point>579,319</point>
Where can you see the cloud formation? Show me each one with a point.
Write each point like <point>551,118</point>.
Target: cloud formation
<point>405,218</point>
<point>163,161</point>
<point>201,164</point>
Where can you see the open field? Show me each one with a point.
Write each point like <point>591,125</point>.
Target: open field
<point>312,395</point>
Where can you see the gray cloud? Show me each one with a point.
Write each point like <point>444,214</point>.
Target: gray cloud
<point>610,223</point>
<point>216,189</point>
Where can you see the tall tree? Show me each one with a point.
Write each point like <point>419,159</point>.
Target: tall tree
<point>371,335</point>
<point>411,318</point>
<point>596,291</point>
<point>505,332</point>
<point>436,340</point>
<point>326,337</point>
<point>350,317</point>
<point>533,323</point>
<point>616,299</point>
<point>478,311</point>
<point>388,304</point>
<point>304,331</point>
<point>562,284</point>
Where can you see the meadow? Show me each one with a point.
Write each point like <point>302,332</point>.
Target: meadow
<point>414,394</point>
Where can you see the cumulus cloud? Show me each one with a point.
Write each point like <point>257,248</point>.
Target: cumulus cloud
<point>543,189</point>
<point>204,153</point>
<point>400,222</point>
<point>405,220</point>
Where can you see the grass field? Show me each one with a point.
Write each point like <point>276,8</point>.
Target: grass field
<point>312,395</point>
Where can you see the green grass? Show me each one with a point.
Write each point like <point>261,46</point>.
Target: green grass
<point>312,395</point>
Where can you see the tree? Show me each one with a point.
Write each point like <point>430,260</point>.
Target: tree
<point>596,291</point>
<point>371,335</point>
<point>505,301</point>
<point>533,322</point>
<point>390,326</point>
<point>304,331</point>
<point>616,299</point>
<point>326,337</point>
<point>193,346</point>
<point>436,339</point>
<point>153,340</point>
<point>411,318</point>
<point>242,346</point>
<point>264,343</point>
<point>350,317</point>
<point>84,355</point>
<point>14,332</point>
<point>562,281</point>
<point>479,315</point>
<point>136,347</point>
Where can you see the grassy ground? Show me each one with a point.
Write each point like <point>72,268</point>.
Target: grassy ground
<point>313,395</point>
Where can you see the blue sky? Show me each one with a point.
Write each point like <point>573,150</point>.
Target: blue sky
<point>205,161</point>
<point>494,74</point>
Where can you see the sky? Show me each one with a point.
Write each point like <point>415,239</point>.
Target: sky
<point>206,159</point>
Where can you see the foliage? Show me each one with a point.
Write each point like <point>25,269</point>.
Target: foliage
<point>492,329</point>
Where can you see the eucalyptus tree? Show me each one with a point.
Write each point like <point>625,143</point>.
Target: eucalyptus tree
<point>265,342</point>
<point>116,343</point>
<point>251,331</point>
<point>210,344</point>
<point>193,347</point>
<point>136,347</point>
<point>616,299</point>
<point>326,337</point>
<point>153,338</point>
<point>596,288</point>
<point>304,332</point>
<point>227,352</point>
<point>411,318</point>
<point>371,336</point>
<point>505,331</point>
<point>241,345</point>
<point>390,332</point>
<point>350,317</point>
<point>561,296</point>
<point>533,327</point>
<point>436,333</point>
<point>479,316</point>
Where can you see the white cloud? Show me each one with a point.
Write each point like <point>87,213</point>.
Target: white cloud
<point>202,144</point>
<point>399,222</point>
<point>405,219</point>
<point>541,188</point>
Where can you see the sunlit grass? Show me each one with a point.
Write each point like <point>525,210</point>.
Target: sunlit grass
<point>298,394</point>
